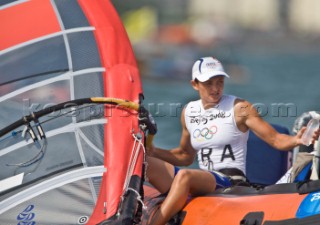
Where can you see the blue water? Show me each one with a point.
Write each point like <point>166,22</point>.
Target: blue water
<point>271,78</point>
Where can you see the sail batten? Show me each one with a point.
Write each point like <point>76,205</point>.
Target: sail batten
<point>51,184</point>
<point>59,77</point>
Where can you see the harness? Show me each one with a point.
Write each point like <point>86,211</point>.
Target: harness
<point>236,176</point>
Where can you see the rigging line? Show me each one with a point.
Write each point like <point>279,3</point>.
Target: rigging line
<point>34,159</point>
<point>38,161</point>
<point>140,144</point>
<point>134,152</point>
<point>127,180</point>
<point>139,140</point>
<point>133,162</point>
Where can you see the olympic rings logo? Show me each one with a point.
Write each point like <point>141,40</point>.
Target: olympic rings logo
<point>205,133</point>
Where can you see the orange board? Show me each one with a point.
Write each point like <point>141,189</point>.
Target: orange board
<point>231,210</point>
<point>226,209</point>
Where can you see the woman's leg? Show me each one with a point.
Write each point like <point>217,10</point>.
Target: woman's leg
<point>195,182</point>
<point>160,174</point>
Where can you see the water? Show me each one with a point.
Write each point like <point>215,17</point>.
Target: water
<point>271,79</point>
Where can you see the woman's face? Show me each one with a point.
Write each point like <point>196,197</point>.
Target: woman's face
<point>210,91</point>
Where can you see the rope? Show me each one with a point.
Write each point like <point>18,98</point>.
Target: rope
<point>133,158</point>
<point>138,144</point>
<point>139,198</point>
<point>34,159</point>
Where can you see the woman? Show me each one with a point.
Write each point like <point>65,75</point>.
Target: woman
<point>216,128</point>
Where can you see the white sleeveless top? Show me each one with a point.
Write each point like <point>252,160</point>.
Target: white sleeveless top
<point>215,135</point>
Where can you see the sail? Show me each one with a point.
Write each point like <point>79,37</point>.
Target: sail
<point>76,172</point>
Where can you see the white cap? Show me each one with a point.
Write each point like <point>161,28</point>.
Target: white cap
<point>205,68</point>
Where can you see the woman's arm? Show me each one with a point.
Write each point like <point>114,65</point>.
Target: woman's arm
<point>181,156</point>
<point>247,117</point>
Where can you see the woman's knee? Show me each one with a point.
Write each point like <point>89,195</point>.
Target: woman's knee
<point>196,181</point>
<point>183,177</point>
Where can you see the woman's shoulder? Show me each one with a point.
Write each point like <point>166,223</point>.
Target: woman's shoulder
<point>244,108</point>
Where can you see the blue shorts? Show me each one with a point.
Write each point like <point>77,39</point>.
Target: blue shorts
<point>222,180</point>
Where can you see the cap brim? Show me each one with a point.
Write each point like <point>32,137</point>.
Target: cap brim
<point>206,76</point>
